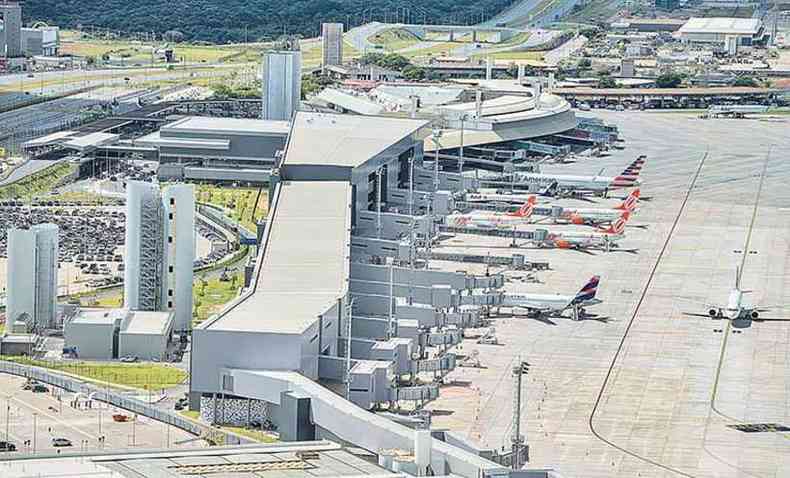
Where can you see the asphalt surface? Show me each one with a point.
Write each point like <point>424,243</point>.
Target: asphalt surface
<point>53,418</point>
<point>641,389</point>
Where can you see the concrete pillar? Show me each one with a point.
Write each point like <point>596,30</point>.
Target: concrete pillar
<point>474,36</point>
<point>489,68</point>
<point>452,36</point>
<point>520,74</point>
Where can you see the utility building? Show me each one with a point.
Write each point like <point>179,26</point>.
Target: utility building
<point>104,334</point>
<point>332,44</point>
<point>10,28</point>
<point>32,278</point>
<point>282,84</point>
<point>160,249</point>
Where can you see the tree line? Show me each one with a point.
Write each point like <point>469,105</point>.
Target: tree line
<point>253,20</point>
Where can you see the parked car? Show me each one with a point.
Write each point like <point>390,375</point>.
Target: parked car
<point>59,442</point>
<point>129,359</point>
<point>7,446</point>
<point>38,388</point>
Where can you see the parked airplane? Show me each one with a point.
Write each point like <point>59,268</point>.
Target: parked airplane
<point>493,219</point>
<point>598,216</point>
<point>554,184</point>
<point>556,304</point>
<point>603,238</point>
<point>736,309</point>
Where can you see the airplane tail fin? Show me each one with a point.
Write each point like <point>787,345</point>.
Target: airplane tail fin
<point>587,292</point>
<point>629,203</point>
<point>630,175</point>
<point>618,226</point>
<point>526,209</point>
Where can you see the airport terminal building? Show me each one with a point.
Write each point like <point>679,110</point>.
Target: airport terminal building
<point>285,340</point>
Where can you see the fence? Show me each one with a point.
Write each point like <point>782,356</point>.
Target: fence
<point>119,400</point>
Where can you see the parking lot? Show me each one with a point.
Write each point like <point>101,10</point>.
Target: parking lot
<point>35,419</point>
<point>640,389</point>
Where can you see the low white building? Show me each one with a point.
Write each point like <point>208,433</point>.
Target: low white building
<point>106,334</point>
<point>145,335</point>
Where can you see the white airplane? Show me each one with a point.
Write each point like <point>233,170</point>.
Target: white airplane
<point>560,183</point>
<point>603,238</point>
<point>737,310</point>
<point>597,216</point>
<point>493,219</point>
<point>556,304</point>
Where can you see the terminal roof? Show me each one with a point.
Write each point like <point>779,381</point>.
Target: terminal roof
<point>203,124</point>
<point>344,140</point>
<point>305,265</point>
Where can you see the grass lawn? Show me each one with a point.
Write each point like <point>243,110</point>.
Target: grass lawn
<point>211,295</point>
<point>436,50</point>
<point>38,184</point>
<point>146,376</point>
<point>193,414</point>
<point>239,201</point>
<point>394,39</point>
<point>256,435</point>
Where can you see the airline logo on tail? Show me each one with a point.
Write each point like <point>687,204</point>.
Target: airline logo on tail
<point>630,203</point>
<point>526,209</point>
<point>588,291</point>
<point>619,225</point>
<point>630,175</point>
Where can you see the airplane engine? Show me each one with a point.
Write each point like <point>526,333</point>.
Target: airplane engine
<point>755,314</point>
<point>563,244</point>
<point>576,219</point>
<point>713,313</point>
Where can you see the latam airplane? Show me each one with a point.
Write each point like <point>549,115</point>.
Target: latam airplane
<point>556,304</point>
<point>603,238</point>
<point>596,216</point>
<point>493,219</point>
<point>560,183</point>
<point>737,310</point>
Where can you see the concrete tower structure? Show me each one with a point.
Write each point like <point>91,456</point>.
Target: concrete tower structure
<point>282,84</point>
<point>11,29</point>
<point>33,277</point>
<point>160,250</point>
<point>179,253</point>
<point>332,44</point>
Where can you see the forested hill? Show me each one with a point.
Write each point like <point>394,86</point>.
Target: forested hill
<point>222,21</point>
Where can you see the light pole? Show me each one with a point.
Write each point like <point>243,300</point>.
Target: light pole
<point>461,147</point>
<point>437,133</point>
<point>35,416</point>
<point>7,415</point>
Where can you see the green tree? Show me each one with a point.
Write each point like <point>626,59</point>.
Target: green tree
<point>606,81</point>
<point>414,73</point>
<point>669,80</point>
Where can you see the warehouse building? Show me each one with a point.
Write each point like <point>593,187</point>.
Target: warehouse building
<point>40,41</point>
<point>717,32</point>
<point>106,334</point>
